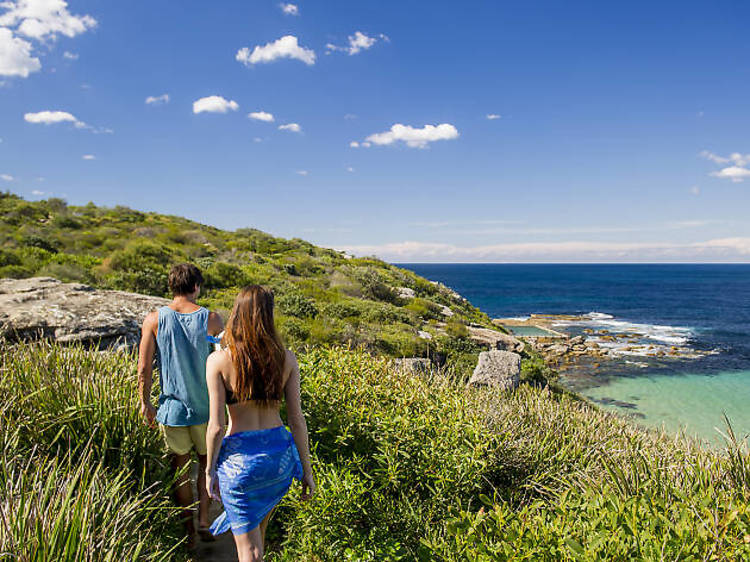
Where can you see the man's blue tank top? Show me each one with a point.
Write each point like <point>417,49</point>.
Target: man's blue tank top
<point>182,350</point>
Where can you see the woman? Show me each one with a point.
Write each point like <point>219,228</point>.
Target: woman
<point>259,457</point>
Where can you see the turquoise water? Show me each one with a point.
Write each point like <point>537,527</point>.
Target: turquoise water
<point>685,360</point>
<point>693,402</point>
<point>532,331</point>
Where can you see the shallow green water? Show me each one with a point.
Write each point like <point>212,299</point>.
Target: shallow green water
<point>695,402</point>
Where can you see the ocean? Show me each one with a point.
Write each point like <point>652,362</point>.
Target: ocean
<point>701,310</point>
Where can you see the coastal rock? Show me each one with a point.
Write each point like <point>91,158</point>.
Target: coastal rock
<point>405,292</point>
<point>417,365</point>
<point>71,312</point>
<point>446,311</point>
<point>497,368</point>
<point>494,339</point>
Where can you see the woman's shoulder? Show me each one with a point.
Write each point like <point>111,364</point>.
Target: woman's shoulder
<point>218,357</point>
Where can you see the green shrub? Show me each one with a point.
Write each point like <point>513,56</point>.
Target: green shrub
<point>66,272</point>
<point>294,304</point>
<point>15,272</point>
<point>42,242</point>
<point>342,310</point>
<point>148,281</point>
<point>455,328</point>
<point>8,257</point>
<point>140,254</point>
<point>424,308</point>
<point>220,275</point>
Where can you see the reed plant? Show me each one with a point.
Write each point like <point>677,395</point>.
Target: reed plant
<point>81,477</point>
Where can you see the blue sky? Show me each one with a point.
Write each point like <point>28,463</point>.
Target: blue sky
<point>621,131</point>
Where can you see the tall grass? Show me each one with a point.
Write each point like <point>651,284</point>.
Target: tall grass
<point>420,468</point>
<point>409,468</point>
<point>82,478</point>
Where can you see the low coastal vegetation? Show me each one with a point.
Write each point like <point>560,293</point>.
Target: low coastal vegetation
<point>409,468</point>
<point>323,296</point>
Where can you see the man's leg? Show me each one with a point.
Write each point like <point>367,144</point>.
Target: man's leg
<point>204,501</point>
<point>183,492</point>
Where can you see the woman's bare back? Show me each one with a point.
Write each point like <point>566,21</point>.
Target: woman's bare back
<point>249,415</point>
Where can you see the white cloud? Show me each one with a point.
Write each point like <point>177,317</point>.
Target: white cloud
<point>261,116</point>
<point>15,56</point>
<point>415,138</point>
<point>286,47</point>
<point>53,117</point>
<point>37,192</point>
<point>6,177</point>
<point>88,157</point>
<point>302,172</point>
<point>366,144</point>
<point>733,173</point>
<point>350,116</point>
<point>157,100</point>
<point>720,249</point>
<point>214,104</point>
<point>493,116</point>
<point>44,19</point>
<point>293,127</point>
<point>350,169</point>
<point>357,42</point>
<point>70,56</point>
<point>257,139</point>
<point>695,190</point>
<point>736,172</point>
<point>354,144</point>
<point>289,9</point>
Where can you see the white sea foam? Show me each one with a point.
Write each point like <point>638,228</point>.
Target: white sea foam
<point>636,339</point>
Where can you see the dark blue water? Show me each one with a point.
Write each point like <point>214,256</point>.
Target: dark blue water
<point>710,303</point>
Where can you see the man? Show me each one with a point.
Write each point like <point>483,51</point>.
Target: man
<point>179,335</point>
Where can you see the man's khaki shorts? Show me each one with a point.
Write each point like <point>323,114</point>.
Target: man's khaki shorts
<point>180,440</point>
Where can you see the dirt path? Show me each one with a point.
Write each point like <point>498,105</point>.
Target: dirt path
<point>222,550</point>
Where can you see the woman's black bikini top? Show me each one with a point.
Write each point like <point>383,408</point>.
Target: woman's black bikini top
<point>231,398</point>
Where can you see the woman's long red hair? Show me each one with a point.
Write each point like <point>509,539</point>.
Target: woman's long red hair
<point>257,352</point>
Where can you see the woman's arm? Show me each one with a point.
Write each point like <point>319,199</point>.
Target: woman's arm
<point>298,425</point>
<point>216,421</point>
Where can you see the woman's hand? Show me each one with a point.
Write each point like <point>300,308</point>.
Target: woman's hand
<point>212,485</point>
<point>308,486</point>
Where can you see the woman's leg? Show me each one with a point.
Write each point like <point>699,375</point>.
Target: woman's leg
<point>249,546</point>
<point>264,525</point>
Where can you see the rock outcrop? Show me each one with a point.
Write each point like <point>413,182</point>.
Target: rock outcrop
<point>71,312</point>
<point>495,339</point>
<point>497,368</point>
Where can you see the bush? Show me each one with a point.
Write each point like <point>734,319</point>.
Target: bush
<point>342,310</point>
<point>294,304</point>
<point>15,272</point>
<point>66,272</point>
<point>221,275</point>
<point>36,241</point>
<point>8,257</point>
<point>140,254</point>
<point>455,328</point>
<point>424,308</point>
<point>148,281</point>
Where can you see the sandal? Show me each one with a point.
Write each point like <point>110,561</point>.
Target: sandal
<point>205,534</point>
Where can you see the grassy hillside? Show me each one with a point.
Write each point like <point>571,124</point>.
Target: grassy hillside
<point>409,468</point>
<point>323,296</point>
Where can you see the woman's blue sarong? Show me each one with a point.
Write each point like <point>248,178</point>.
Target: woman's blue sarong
<point>255,470</point>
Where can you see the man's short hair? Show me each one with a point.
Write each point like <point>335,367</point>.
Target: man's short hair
<point>183,278</point>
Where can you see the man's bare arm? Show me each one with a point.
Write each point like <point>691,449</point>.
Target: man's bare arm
<point>215,324</point>
<point>146,352</point>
